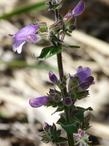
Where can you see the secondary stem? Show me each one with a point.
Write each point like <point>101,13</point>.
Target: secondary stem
<point>60,66</point>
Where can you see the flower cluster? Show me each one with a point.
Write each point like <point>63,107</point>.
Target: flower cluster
<point>77,89</point>
<point>79,83</point>
<point>31,32</point>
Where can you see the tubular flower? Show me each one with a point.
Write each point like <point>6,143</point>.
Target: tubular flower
<point>38,101</point>
<point>78,10</point>
<point>28,33</point>
<point>84,76</point>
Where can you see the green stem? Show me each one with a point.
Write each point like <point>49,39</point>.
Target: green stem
<point>60,66</point>
<point>64,91</point>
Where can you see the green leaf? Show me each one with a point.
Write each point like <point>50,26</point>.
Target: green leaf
<point>70,128</point>
<point>49,51</point>
<point>60,108</point>
<point>61,140</point>
<point>36,6</point>
<point>79,114</point>
<point>71,46</point>
<point>74,46</point>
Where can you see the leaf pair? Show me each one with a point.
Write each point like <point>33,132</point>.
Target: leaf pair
<point>52,50</point>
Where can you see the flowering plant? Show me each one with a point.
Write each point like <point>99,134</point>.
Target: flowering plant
<point>69,88</point>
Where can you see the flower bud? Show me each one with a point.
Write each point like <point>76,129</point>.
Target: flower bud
<point>38,101</point>
<point>53,77</point>
<point>68,101</point>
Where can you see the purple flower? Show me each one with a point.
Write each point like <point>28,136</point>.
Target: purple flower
<point>78,10</point>
<point>68,101</point>
<point>38,101</point>
<point>46,126</point>
<point>80,134</point>
<point>81,137</point>
<point>53,77</point>
<point>28,33</point>
<point>84,76</point>
<point>83,73</point>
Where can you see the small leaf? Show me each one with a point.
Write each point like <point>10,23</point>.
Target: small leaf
<point>61,140</point>
<point>70,128</point>
<point>74,46</point>
<point>61,108</point>
<point>49,51</point>
<point>79,114</point>
<point>71,46</point>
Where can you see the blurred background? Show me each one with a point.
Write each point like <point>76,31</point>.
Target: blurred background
<point>23,76</point>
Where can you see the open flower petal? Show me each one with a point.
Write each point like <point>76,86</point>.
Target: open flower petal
<point>26,31</point>
<point>17,46</point>
<point>89,81</point>
<point>83,73</point>
<point>85,77</point>
<point>27,34</point>
<point>78,10</point>
<point>34,38</point>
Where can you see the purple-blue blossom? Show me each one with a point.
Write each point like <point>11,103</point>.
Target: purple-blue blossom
<point>85,77</point>
<point>78,10</point>
<point>53,77</point>
<point>28,33</point>
<point>39,101</point>
<point>68,101</point>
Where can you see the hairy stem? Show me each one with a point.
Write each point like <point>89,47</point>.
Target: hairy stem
<point>61,74</point>
<point>60,66</point>
<point>64,90</point>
